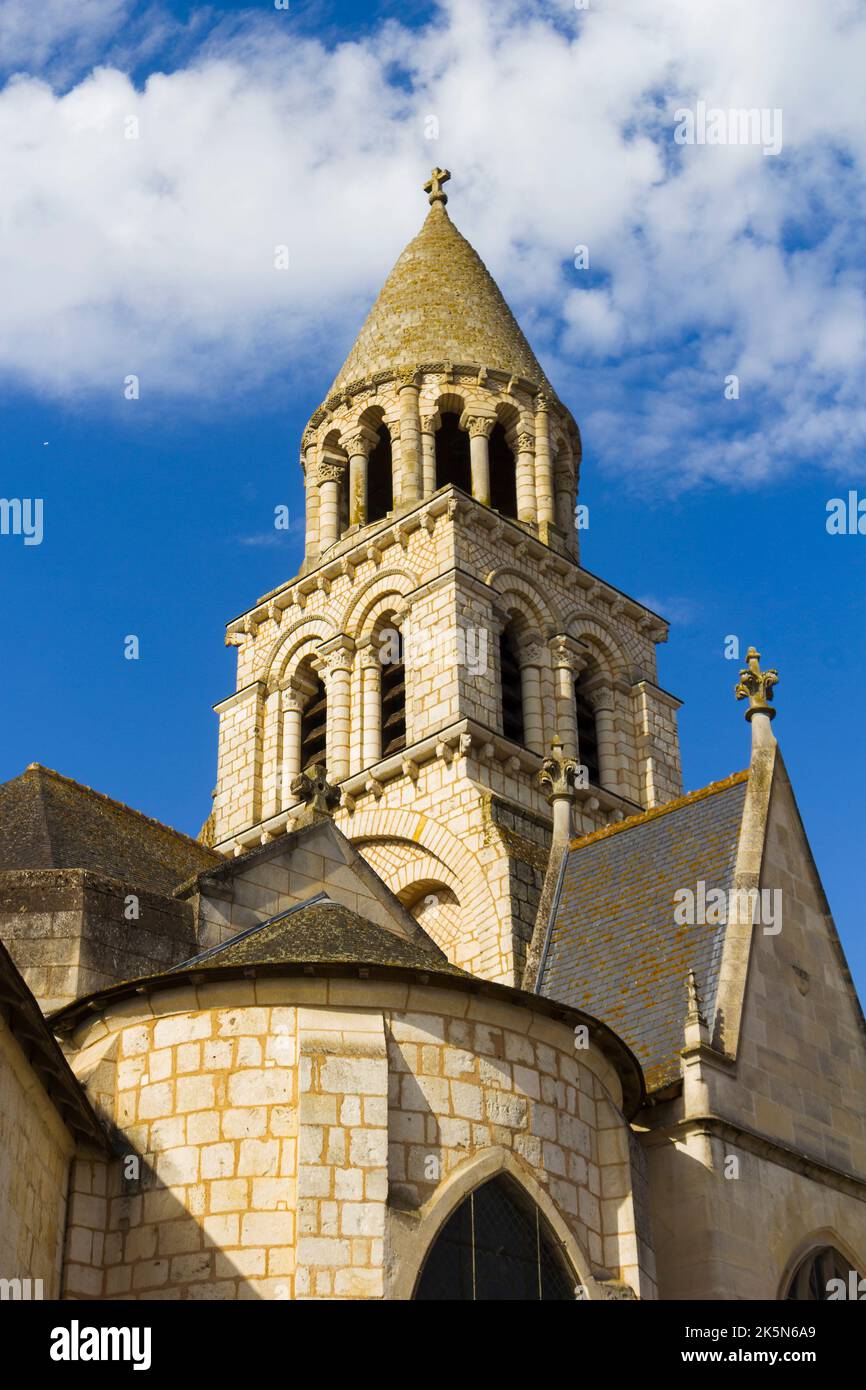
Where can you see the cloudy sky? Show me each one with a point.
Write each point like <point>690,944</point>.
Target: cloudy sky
<point>153,156</point>
<point>261,127</point>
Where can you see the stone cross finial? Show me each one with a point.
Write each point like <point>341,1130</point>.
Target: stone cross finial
<point>756,686</point>
<point>433,186</point>
<point>313,787</point>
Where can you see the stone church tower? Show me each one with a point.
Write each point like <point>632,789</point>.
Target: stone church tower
<point>441,632</point>
<point>451,1019</point>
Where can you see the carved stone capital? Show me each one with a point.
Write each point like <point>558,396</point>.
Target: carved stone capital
<point>558,773</point>
<point>567,652</point>
<point>334,662</point>
<point>329,471</point>
<point>531,650</point>
<point>600,697</point>
<point>431,423</point>
<point>360,441</point>
<point>479,425</point>
<point>525,442</point>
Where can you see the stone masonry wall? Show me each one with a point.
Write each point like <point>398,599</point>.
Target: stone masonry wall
<point>35,1151</point>
<point>279,1121</point>
<point>69,933</point>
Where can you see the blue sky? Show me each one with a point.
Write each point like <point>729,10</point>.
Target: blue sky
<point>308,128</point>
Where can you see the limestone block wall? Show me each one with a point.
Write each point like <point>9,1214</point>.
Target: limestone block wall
<point>306,1138</point>
<point>740,1237</point>
<point>35,1153</point>
<point>69,931</point>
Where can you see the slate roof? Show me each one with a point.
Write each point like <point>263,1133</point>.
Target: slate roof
<point>48,821</point>
<point>614,948</point>
<point>318,931</point>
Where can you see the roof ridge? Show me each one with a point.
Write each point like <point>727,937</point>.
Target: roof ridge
<point>112,801</point>
<point>642,817</point>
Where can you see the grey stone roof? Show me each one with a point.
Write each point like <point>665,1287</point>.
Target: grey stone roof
<point>48,821</point>
<point>614,948</point>
<point>319,931</point>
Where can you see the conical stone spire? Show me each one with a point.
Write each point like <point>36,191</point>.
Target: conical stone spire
<point>439,303</point>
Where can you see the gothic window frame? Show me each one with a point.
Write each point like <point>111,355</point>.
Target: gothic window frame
<point>808,1281</point>
<point>497,1244</point>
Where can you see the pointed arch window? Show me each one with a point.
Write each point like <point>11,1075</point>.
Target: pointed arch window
<point>393,694</point>
<point>496,1245</point>
<point>503,474</point>
<point>314,718</point>
<point>380,478</point>
<point>811,1281</point>
<point>587,734</point>
<point>452,454</point>
<point>511,685</point>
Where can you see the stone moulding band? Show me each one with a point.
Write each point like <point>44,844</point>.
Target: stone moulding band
<point>450,502</point>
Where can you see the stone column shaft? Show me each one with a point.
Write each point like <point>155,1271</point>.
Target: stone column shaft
<point>526,505</point>
<point>533,707</point>
<point>329,504</point>
<point>608,759</point>
<point>543,466</point>
<point>479,459</point>
<point>567,663</point>
<point>311,490</point>
<point>292,709</point>
<point>371,709</point>
<point>358,489</point>
<point>410,444</point>
<point>339,691</point>
<point>271,755</point>
<point>428,455</point>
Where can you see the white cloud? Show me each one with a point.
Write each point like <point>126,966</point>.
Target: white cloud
<point>156,255</point>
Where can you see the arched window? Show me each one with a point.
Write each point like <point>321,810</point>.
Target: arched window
<point>452,454</point>
<point>380,478</point>
<point>496,1245</point>
<point>511,686</point>
<point>393,688</point>
<point>587,735</point>
<point>313,725</point>
<point>503,474</point>
<point>815,1279</point>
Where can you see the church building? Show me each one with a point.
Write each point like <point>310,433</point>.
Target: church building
<point>457,995</point>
